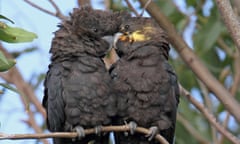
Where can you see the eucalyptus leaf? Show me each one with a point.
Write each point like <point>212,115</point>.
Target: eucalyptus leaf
<point>5,64</point>
<point>16,35</point>
<point>3,59</point>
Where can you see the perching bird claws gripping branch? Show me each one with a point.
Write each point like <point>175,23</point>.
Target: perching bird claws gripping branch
<point>121,128</point>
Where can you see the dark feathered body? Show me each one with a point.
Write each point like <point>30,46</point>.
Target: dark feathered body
<point>146,83</point>
<point>77,85</point>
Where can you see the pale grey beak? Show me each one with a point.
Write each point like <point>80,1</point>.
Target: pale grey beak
<point>109,39</point>
<point>115,39</point>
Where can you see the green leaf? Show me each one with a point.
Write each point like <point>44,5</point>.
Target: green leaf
<point>16,35</point>
<point>3,17</point>
<point>5,64</point>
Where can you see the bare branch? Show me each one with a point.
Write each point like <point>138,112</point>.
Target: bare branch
<point>224,47</point>
<point>57,14</point>
<point>193,61</point>
<point>208,102</point>
<point>192,130</point>
<point>145,6</point>
<point>13,76</point>
<point>74,134</point>
<point>83,2</point>
<point>234,88</point>
<point>236,5</point>
<point>107,4</point>
<point>132,8</point>
<point>208,115</point>
<point>230,20</point>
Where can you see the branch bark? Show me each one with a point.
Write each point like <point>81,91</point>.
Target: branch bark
<point>193,61</point>
<point>83,2</point>
<point>230,20</point>
<point>74,134</point>
<point>58,13</point>
<point>208,115</point>
<point>13,76</point>
<point>201,139</point>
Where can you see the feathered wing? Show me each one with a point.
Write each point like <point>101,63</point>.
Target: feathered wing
<point>53,100</point>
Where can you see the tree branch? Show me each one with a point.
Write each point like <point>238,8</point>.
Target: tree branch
<point>74,134</point>
<point>83,2</point>
<point>208,115</point>
<point>13,76</point>
<point>193,61</point>
<point>192,130</point>
<point>132,8</point>
<point>230,20</point>
<point>58,13</point>
<point>208,102</point>
<point>234,88</point>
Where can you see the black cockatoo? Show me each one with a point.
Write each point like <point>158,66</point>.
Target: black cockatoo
<point>147,88</point>
<point>77,90</point>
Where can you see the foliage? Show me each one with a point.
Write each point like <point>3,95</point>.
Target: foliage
<point>12,35</point>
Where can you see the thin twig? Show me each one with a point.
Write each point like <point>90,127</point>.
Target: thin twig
<point>107,4</point>
<point>208,116</point>
<point>192,130</point>
<point>145,6</point>
<point>132,8</point>
<point>83,3</point>
<point>193,61</point>
<point>56,14</point>
<point>74,134</point>
<point>224,47</point>
<point>27,95</point>
<point>234,88</point>
<point>205,93</point>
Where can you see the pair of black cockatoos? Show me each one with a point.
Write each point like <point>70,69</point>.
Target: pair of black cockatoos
<point>140,88</point>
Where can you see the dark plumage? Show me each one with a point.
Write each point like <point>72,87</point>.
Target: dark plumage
<point>77,85</point>
<point>146,83</point>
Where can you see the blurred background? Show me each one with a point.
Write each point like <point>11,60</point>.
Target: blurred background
<point>198,22</point>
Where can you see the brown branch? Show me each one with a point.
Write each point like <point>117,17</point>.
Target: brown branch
<point>83,2</point>
<point>234,88</point>
<point>58,13</point>
<point>193,61</point>
<point>236,4</point>
<point>132,8</point>
<point>192,130</point>
<point>208,115</point>
<point>107,4</point>
<point>74,134</point>
<point>224,47</point>
<point>230,20</point>
<point>208,102</point>
<point>14,76</point>
<point>26,94</point>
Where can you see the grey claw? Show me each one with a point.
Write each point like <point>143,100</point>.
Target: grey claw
<point>152,133</point>
<point>80,131</point>
<point>132,127</point>
<point>98,130</point>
